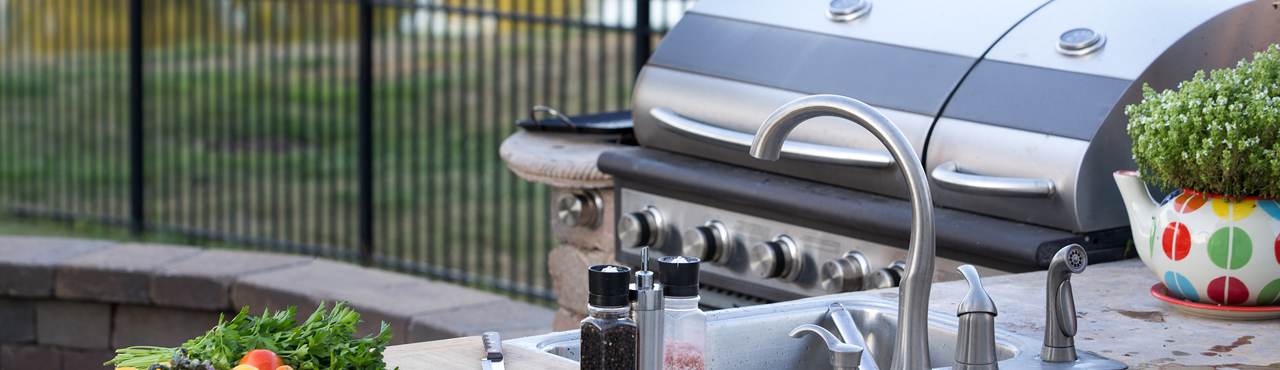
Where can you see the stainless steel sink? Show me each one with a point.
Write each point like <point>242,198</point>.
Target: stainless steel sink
<point>756,337</point>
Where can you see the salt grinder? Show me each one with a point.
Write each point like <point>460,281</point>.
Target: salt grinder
<point>648,316</point>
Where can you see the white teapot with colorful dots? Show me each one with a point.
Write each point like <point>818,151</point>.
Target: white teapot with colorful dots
<point>1205,248</point>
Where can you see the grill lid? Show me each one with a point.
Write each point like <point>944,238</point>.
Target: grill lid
<point>1020,102</point>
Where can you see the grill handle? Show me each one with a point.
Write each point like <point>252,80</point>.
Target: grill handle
<point>949,177</point>
<point>792,149</point>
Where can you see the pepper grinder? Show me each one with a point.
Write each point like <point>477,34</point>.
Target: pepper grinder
<point>648,315</point>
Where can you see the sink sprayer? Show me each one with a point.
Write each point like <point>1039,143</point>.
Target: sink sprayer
<point>1060,305</point>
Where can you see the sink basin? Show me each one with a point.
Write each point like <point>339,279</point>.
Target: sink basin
<point>755,337</point>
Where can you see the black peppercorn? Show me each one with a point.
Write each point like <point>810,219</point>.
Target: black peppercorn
<point>608,336</point>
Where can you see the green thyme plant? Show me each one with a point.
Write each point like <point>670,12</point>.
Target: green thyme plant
<point>1219,135</point>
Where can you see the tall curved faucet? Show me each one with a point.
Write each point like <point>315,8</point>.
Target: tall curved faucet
<point>911,352</point>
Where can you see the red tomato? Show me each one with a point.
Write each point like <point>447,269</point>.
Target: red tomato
<point>261,359</point>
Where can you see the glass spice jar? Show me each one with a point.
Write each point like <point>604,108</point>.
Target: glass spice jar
<point>608,335</point>
<point>684,324</point>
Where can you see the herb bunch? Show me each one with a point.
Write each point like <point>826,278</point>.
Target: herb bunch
<point>322,342</point>
<point>1219,135</point>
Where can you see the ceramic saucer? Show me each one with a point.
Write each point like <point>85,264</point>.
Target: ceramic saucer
<point>1213,310</point>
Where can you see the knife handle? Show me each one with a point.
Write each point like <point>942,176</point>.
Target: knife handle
<point>492,346</point>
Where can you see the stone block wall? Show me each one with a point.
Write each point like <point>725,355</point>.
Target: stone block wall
<point>581,247</point>
<point>68,303</point>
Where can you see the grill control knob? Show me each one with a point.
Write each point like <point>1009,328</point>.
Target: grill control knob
<point>887,277</point>
<point>579,209</point>
<point>638,229</point>
<point>845,274</point>
<point>709,242</point>
<point>779,258</point>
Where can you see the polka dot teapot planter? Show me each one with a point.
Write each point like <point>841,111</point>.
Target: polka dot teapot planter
<point>1205,248</point>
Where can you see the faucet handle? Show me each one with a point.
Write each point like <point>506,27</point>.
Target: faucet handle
<point>976,340</point>
<point>843,355</point>
<point>977,299</point>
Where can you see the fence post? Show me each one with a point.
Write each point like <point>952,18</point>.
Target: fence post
<point>137,178</point>
<point>364,135</point>
<point>643,35</point>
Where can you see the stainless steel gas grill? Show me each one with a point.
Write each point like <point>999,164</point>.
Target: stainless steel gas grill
<point>1016,106</point>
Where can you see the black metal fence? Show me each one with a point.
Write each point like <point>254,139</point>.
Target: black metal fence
<point>363,130</point>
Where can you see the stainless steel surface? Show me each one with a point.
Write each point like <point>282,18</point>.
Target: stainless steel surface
<point>847,10</point>
<point>793,149</point>
<point>579,209</point>
<point>1139,33</point>
<point>649,329</point>
<point>1060,308</point>
<point>643,228</point>
<point>709,242</point>
<point>752,338</point>
<point>746,230</point>
<point>948,176</point>
<point>845,274</point>
<point>1080,42</point>
<point>892,22</point>
<point>911,351</point>
<point>1021,164</point>
<point>1008,153</point>
<point>1219,42</point>
<point>844,356</point>
<point>740,107</point>
<point>778,258</point>
<point>849,333</point>
<point>647,310</point>
<point>493,351</point>
<point>976,342</point>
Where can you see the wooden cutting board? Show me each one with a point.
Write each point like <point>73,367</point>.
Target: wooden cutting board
<point>465,354</point>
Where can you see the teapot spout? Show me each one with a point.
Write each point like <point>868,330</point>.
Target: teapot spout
<point>1141,209</point>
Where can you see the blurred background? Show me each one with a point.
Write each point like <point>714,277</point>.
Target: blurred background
<point>359,130</point>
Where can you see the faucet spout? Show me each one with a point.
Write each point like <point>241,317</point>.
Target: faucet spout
<point>911,351</point>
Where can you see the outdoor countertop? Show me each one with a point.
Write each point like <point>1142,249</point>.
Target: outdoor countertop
<point>1118,318</point>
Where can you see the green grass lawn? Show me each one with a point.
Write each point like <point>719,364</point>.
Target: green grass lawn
<point>254,138</point>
